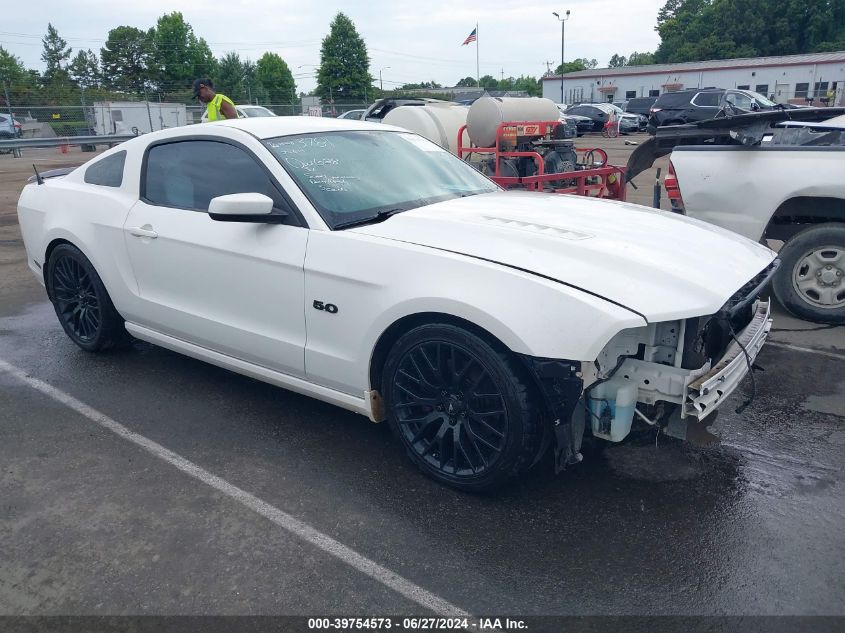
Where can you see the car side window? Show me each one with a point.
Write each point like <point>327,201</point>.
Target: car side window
<point>739,99</point>
<point>707,99</point>
<point>188,174</point>
<point>107,172</point>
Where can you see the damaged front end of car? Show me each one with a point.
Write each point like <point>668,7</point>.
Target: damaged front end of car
<point>668,374</point>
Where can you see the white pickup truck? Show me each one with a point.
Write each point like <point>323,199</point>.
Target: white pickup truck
<point>783,182</point>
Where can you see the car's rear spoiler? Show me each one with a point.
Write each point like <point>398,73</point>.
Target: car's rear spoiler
<point>740,129</point>
<point>50,173</point>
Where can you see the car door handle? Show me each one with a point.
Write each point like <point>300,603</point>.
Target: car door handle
<point>143,231</point>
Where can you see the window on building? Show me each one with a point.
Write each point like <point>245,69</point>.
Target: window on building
<point>630,94</point>
<point>653,93</point>
<point>744,87</point>
<point>821,88</point>
<point>763,89</point>
<point>801,91</point>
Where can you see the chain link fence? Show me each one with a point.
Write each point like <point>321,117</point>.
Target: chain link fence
<point>126,117</point>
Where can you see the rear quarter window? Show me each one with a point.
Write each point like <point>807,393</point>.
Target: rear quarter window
<point>107,172</point>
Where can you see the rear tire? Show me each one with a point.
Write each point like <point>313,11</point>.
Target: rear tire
<point>462,410</point>
<point>811,280</point>
<point>81,302</point>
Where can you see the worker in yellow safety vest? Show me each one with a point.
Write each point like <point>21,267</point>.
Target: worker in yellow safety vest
<point>219,106</point>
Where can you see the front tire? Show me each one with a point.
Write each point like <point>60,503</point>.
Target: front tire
<point>82,304</point>
<point>811,280</point>
<point>462,410</point>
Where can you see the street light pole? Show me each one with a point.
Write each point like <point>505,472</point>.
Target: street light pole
<point>562,21</point>
<point>380,82</point>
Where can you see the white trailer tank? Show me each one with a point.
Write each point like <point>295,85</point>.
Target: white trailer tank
<point>487,113</point>
<point>438,122</point>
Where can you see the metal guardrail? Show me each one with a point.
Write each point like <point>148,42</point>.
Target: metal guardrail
<point>57,141</point>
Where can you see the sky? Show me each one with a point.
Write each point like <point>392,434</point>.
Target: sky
<point>410,40</point>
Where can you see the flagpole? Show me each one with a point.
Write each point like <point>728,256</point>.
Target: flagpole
<point>477,72</point>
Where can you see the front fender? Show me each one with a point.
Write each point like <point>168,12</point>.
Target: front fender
<point>376,282</point>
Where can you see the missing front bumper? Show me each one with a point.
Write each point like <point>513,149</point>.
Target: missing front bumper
<point>705,393</point>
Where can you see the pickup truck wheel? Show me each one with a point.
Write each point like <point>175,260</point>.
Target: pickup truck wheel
<point>82,304</point>
<point>811,280</point>
<point>462,410</point>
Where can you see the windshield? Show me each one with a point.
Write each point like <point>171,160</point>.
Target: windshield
<point>353,176</point>
<point>258,111</point>
<point>763,101</point>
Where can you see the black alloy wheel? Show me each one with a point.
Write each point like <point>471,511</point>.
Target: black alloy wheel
<point>461,409</point>
<point>76,299</point>
<point>82,304</point>
<point>450,410</point>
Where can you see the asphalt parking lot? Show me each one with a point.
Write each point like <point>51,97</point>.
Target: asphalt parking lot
<point>145,482</point>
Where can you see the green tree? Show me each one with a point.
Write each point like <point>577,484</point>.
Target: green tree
<point>489,82</point>
<point>531,85</point>
<point>640,59</point>
<point>344,72</point>
<point>274,78</point>
<point>467,82</point>
<point>179,56</point>
<point>617,61</point>
<point>580,63</point>
<point>230,76</point>
<point>55,54</point>
<point>421,86</point>
<point>84,69</point>
<point>11,67</point>
<point>127,59</point>
<point>14,76</point>
<point>692,30</point>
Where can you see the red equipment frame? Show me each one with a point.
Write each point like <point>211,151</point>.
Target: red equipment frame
<point>607,181</point>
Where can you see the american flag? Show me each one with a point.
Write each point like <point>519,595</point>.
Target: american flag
<point>471,37</point>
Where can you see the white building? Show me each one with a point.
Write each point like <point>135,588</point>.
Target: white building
<point>786,79</point>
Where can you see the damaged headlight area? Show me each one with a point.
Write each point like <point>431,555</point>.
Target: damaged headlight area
<point>666,374</point>
<point>683,369</point>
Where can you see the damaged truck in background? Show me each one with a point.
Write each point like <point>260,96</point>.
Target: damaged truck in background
<point>777,177</point>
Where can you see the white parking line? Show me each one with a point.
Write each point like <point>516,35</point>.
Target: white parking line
<point>389,579</point>
<point>808,350</point>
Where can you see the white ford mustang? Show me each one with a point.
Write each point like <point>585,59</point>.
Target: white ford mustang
<point>364,266</point>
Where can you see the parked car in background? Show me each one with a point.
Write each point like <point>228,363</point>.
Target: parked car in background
<point>379,109</point>
<point>640,105</point>
<point>600,113</point>
<point>355,115</point>
<point>583,124</point>
<point>9,127</point>
<point>688,106</point>
<point>245,112</point>
<point>365,266</point>
<point>250,111</point>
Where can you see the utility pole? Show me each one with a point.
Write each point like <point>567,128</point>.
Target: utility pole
<point>562,21</point>
<point>147,101</point>
<point>380,82</point>
<point>16,152</point>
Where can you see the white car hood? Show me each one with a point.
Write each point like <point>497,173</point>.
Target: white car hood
<point>658,264</point>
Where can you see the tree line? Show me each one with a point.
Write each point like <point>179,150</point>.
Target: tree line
<point>696,30</point>
<point>162,62</point>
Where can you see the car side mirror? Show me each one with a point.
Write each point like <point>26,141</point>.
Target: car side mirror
<point>245,207</point>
